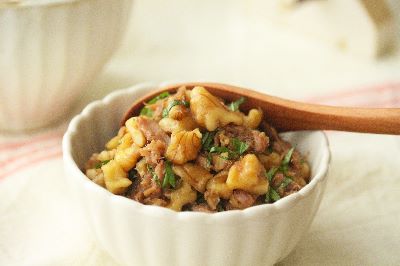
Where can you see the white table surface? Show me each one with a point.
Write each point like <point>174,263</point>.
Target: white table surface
<point>358,222</point>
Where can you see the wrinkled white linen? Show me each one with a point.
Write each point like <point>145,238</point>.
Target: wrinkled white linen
<point>358,221</point>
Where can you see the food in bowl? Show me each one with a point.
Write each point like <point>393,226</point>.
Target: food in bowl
<point>133,233</point>
<point>191,151</point>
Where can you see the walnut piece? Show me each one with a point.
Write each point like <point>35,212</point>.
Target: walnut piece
<point>210,112</point>
<point>105,155</point>
<point>270,160</point>
<point>253,118</point>
<point>127,157</point>
<point>212,199</point>
<point>193,174</point>
<point>248,175</point>
<point>96,175</point>
<point>136,134</point>
<point>114,142</point>
<point>170,125</point>
<point>178,112</point>
<point>182,196</point>
<point>220,161</point>
<point>115,178</point>
<point>217,185</point>
<point>184,146</point>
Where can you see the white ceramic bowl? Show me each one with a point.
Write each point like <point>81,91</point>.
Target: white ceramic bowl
<point>135,234</point>
<point>49,51</point>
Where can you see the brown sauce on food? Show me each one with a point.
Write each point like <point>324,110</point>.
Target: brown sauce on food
<point>191,151</point>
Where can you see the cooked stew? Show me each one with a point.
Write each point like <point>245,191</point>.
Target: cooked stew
<point>192,151</point>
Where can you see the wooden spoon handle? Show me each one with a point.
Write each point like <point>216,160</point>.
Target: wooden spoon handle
<point>286,115</point>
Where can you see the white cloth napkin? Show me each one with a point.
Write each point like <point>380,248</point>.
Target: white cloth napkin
<point>357,223</point>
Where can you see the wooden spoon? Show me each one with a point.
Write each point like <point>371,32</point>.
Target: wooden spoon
<point>286,115</point>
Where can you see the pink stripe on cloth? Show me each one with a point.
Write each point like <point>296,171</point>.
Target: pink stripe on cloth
<point>38,139</point>
<point>384,95</point>
<point>29,152</point>
<point>33,161</point>
<point>17,155</point>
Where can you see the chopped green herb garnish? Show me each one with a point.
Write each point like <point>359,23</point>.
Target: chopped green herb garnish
<point>271,173</point>
<point>172,104</point>
<point>159,97</point>
<point>157,180</point>
<point>186,104</point>
<point>169,177</point>
<point>153,174</point>
<point>288,157</point>
<point>216,149</point>
<point>207,139</point>
<point>267,198</point>
<point>239,146</point>
<point>286,160</point>
<point>234,106</point>
<point>273,195</point>
<point>286,181</point>
<point>146,111</point>
<point>209,159</point>
<point>100,164</point>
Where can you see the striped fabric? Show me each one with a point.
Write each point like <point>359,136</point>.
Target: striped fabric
<point>21,153</point>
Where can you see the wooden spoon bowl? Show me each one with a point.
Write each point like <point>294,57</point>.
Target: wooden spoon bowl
<point>287,115</point>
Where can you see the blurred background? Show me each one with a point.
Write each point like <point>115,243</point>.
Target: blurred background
<point>338,52</point>
<point>288,48</point>
<point>53,52</point>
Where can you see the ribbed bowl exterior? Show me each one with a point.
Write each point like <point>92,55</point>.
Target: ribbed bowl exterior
<point>50,52</point>
<point>135,234</point>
